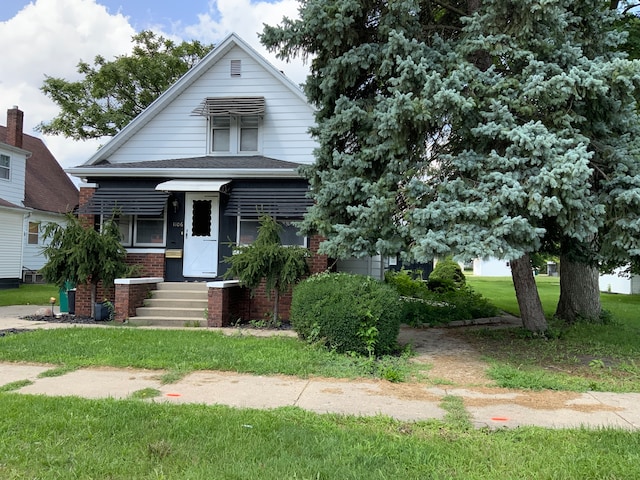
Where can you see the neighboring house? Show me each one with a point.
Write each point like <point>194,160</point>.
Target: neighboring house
<point>191,175</point>
<point>618,282</point>
<point>34,188</point>
<point>491,267</point>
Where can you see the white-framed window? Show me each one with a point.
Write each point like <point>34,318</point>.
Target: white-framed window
<point>235,135</point>
<point>248,232</point>
<point>33,236</point>
<point>142,230</point>
<point>5,167</point>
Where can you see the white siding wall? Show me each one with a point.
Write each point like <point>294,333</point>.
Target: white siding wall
<point>491,267</point>
<point>614,283</point>
<point>12,190</point>
<point>10,244</point>
<point>33,258</point>
<point>176,133</point>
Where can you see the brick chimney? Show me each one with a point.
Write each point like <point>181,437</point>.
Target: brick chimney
<point>15,118</point>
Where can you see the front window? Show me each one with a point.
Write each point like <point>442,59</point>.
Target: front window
<point>235,134</point>
<point>248,232</point>
<point>141,230</point>
<point>33,236</point>
<point>221,128</point>
<point>5,167</point>
<point>249,134</point>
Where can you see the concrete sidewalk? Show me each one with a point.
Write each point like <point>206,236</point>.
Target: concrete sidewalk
<point>492,407</point>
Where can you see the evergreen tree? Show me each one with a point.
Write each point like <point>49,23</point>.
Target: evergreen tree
<point>80,254</point>
<point>491,140</point>
<point>267,260</point>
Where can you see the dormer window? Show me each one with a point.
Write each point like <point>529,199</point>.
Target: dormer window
<point>235,124</point>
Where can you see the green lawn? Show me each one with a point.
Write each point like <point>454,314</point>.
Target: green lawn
<point>579,357</point>
<point>53,438</point>
<point>29,294</point>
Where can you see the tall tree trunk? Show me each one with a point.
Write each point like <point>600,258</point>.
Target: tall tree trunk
<point>579,291</point>
<point>94,294</point>
<point>531,312</point>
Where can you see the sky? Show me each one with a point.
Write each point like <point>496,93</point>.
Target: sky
<point>50,37</point>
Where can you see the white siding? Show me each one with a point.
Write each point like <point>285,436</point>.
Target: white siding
<point>614,283</point>
<point>175,133</point>
<point>12,190</point>
<point>491,267</point>
<point>33,258</point>
<point>10,244</point>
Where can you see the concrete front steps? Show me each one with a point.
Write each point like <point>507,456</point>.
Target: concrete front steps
<point>174,304</point>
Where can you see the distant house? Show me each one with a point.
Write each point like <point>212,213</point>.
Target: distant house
<point>34,190</point>
<point>618,282</point>
<point>191,175</point>
<point>491,267</point>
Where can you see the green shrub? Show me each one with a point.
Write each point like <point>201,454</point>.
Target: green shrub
<point>447,276</point>
<point>349,313</point>
<point>407,283</point>
<point>452,300</point>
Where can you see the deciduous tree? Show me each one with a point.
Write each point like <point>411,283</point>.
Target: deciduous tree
<point>111,93</point>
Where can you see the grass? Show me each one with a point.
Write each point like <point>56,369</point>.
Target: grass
<point>52,438</point>
<point>29,294</point>
<point>181,351</point>
<point>585,356</point>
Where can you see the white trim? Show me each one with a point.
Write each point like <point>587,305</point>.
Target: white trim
<point>192,185</point>
<point>223,284</point>
<point>138,281</point>
<point>145,250</point>
<point>210,173</point>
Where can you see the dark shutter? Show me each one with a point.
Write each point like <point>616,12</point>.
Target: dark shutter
<point>141,201</point>
<point>282,202</point>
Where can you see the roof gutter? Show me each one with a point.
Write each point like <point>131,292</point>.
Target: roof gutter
<point>234,173</point>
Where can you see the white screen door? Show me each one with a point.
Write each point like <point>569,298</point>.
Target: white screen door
<point>200,257</point>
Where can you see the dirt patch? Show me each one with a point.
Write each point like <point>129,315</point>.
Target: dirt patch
<point>449,358</point>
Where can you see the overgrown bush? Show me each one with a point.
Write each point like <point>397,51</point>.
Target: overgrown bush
<point>348,313</point>
<point>447,276</point>
<point>421,305</point>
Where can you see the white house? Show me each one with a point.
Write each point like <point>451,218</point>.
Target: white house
<point>34,190</point>
<point>191,175</point>
<point>616,282</point>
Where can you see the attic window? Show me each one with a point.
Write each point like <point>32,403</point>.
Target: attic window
<point>241,106</point>
<point>236,68</point>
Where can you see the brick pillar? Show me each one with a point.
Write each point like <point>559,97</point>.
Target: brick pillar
<point>318,262</point>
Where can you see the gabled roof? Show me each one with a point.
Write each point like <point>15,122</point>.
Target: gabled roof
<point>47,186</point>
<point>231,41</point>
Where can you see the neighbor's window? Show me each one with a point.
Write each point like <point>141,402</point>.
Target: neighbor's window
<point>34,230</point>
<point>5,167</point>
<point>248,232</point>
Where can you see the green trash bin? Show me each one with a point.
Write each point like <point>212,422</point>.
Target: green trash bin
<point>64,301</point>
<point>64,297</point>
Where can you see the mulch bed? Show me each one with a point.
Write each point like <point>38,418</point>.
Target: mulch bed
<point>63,318</point>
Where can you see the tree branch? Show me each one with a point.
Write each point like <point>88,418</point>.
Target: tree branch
<point>451,8</point>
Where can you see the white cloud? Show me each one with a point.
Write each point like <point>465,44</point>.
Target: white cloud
<point>49,37</point>
<point>246,18</point>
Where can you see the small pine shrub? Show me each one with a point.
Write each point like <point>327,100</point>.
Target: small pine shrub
<point>447,276</point>
<point>407,283</point>
<point>348,313</point>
